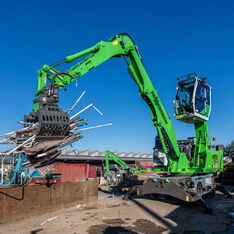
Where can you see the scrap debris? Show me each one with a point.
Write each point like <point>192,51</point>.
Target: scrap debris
<point>41,142</point>
<point>48,220</point>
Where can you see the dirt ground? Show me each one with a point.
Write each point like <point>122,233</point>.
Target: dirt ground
<point>112,215</point>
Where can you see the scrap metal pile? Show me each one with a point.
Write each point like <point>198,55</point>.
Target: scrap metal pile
<point>42,138</point>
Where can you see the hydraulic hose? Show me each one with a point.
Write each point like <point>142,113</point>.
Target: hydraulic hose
<point>57,74</point>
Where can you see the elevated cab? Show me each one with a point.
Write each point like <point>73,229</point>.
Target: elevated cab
<point>193,99</point>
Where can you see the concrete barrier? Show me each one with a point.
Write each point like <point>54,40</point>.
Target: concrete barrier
<point>33,199</point>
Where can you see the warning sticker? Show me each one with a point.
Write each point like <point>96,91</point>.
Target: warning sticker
<point>115,43</point>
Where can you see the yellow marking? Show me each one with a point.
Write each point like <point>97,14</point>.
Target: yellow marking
<point>138,192</point>
<point>115,43</point>
<point>60,83</point>
<point>187,198</point>
<point>180,116</point>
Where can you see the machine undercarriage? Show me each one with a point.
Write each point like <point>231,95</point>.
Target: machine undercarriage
<point>188,188</point>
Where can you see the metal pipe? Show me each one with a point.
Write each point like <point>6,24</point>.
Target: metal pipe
<point>11,133</point>
<point>99,126</point>
<point>7,134</point>
<point>97,110</point>
<point>69,110</point>
<point>58,63</point>
<point>3,141</point>
<point>81,111</point>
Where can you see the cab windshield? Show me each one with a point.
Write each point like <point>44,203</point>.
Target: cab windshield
<point>202,100</point>
<point>184,98</point>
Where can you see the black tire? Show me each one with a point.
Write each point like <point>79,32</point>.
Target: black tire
<point>122,187</point>
<point>199,189</point>
<point>212,193</point>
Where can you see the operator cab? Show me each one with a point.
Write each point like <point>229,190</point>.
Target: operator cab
<point>193,99</point>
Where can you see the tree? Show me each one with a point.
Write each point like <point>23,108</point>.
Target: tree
<point>230,146</point>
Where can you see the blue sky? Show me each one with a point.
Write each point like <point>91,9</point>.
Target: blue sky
<point>174,38</point>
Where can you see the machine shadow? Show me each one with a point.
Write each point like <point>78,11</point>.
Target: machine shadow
<point>189,217</point>
<point>113,191</point>
<point>118,230</point>
<point>152,213</point>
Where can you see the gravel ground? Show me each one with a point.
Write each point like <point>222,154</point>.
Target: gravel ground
<point>110,214</point>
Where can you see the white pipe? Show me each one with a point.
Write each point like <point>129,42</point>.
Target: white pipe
<point>11,133</point>
<point>7,134</point>
<point>97,110</point>
<point>81,111</point>
<point>99,126</point>
<point>74,124</point>
<point>3,141</point>
<point>69,110</point>
<point>17,147</point>
<point>21,122</point>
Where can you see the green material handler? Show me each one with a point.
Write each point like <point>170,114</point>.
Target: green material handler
<point>195,165</point>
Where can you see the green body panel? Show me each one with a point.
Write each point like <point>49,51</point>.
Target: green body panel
<point>137,170</point>
<point>122,45</point>
<point>160,169</point>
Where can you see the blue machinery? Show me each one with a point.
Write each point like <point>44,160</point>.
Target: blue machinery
<point>17,172</point>
<point>17,179</point>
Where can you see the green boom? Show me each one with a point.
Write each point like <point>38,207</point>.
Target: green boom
<point>115,159</point>
<point>122,45</point>
<point>120,162</point>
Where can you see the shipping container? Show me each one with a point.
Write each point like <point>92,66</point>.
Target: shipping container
<point>92,172</point>
<point>75,172</point>
<point>145,163</point>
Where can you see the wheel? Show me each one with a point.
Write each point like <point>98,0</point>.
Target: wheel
<point>199,189</point>
<point>120,187</point>
<point>212,193</point>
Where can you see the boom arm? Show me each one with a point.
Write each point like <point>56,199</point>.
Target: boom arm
<point>114,158</point>
<point>117,46</point>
